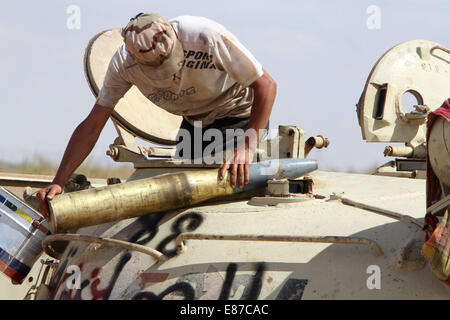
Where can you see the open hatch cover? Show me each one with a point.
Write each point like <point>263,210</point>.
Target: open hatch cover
<point>134,111</point>
<point>419,67</point>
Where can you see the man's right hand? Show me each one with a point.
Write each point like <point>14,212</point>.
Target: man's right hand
<point>45,194</point>
<point>80,145</point>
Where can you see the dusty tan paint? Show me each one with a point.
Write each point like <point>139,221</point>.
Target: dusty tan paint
<point>334,271</point>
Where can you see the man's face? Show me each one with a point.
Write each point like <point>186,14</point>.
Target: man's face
<point>139,60</point>
<point>156,48</point>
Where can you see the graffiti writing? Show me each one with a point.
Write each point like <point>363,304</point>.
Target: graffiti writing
<point>187,222</point>
<point>252,286</point>
<point>190,286</point>
<point>211,285</point>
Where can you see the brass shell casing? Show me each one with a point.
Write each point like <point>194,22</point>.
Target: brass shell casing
<point>136,198</point>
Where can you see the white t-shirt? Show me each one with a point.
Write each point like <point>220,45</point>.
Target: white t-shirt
<point>212,84</point>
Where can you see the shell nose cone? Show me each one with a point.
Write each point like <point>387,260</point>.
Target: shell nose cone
<point>293,168</point>
<point>260,172</point>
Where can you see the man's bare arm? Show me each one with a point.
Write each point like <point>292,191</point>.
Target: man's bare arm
<point>80,145</point>
<point>264,91</point>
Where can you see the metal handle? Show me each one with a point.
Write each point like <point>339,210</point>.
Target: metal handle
<point>245,237</point>
<point>46,244</point>
<point>440,48</point>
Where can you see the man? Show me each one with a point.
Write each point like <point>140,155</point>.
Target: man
<point>190,66</point>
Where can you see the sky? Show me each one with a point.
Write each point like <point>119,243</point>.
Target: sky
<point>320,53</point>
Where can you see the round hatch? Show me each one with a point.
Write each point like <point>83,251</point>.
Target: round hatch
<point>134,111</point>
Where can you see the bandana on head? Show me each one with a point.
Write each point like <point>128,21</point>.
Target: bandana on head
<point>153,43</point>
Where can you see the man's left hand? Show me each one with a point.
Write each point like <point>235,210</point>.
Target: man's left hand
<point>239,164</point>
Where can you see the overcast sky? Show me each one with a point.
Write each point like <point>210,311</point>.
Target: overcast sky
<point>319,52</point>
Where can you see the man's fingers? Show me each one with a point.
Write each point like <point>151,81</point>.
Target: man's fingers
<point>233,174</point>
<point>239,169</point>
<point>223,170</point>
<point>45,194</point>
<point>247,173</point>
<point>241,175</point>
<point>43,208</point>
<point>51,193</point>
<point>41,194</point>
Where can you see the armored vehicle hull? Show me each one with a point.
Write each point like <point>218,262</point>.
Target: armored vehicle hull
<point>318,248</point>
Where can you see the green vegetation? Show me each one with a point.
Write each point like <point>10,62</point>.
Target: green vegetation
<point>39,165</point>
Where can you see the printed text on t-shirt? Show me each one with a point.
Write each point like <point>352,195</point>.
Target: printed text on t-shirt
<point>198,60</point>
